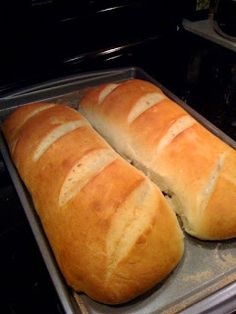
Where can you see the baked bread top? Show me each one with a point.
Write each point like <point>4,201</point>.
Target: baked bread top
<point>113,234</point>
<point>194,168</point>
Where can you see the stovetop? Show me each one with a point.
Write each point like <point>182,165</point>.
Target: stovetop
<point>201,73</point>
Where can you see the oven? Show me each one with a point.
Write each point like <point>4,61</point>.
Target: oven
<point>46,45</point>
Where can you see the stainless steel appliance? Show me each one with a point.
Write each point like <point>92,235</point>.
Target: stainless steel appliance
<point>225,19</point>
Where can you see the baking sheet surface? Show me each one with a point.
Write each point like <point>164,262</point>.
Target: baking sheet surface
<point>206,266</point>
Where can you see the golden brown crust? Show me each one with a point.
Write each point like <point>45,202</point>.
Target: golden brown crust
<point>179,155</point>
<point>219,214</point>
<point>19,117</point>
<point>147,260</point>
<point>112,232</point>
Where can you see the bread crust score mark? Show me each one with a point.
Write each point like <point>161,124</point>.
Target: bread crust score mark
<point>83,171</point>
<point>179,126</point>
<point>144,103</point>
<point>54,135</point>
<point>17,126</point>
<point>106,91</point>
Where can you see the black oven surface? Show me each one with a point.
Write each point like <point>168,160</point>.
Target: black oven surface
<point>197,71</point>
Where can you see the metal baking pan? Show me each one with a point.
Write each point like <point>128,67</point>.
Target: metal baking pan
<point>205,279</point>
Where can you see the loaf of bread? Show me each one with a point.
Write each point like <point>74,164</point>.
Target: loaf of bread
<point>113,233</point>
<point>195,169</point>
